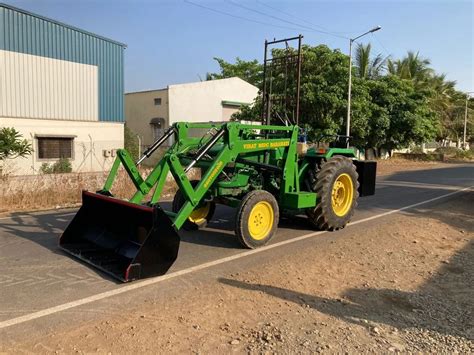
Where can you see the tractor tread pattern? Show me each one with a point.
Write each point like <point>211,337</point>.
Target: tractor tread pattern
<point>243,211</point>
<point>322,216</point>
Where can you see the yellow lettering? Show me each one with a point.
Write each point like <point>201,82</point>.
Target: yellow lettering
<point>266,145</point>
<point>213,174</point>
<point>280,144</point>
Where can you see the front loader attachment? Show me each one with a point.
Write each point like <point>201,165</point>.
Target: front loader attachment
<point>125,240</point>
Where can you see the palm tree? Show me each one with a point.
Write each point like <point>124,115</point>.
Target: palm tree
<point>411,67</point>
<point>367,67</point>
<point>394,67</point>
<point>443,91</point>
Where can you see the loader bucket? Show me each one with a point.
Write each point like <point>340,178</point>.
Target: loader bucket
<point>123,239</point>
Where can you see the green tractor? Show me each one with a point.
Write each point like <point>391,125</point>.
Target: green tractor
<point>263,171</point>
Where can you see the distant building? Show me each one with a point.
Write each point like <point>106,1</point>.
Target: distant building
<point>62,88</point>
<point>149,113</point>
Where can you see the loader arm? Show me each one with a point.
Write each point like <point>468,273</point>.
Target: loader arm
<point>232,147</point>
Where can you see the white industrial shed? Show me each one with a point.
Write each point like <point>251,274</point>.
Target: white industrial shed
<point>149,113</point>
<point>62,88</point>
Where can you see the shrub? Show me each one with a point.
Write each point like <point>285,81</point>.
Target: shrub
<point>62,166</point>
<point>131,142</point>
<point>46,168</point>
<point>456,153</point>
<point>417,150</point>
<point>447,150</point>
<point>12,144</point>
<point>464,154</point>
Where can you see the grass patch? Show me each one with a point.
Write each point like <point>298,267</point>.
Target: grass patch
<point>456,153</point>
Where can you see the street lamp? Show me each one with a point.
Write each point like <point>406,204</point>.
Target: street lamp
<point>465,120</point>
<point>348,124</point>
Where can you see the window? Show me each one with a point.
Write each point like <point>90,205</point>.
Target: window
<point>55,147</point>
<point>158,127</point>
<point>158,101</point>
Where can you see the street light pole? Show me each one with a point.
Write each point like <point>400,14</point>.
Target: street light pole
<point>351,40</point>
<point>465,120</point>
<point>348,123</point>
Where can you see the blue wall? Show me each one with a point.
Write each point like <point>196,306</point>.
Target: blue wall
<point>28,33</point>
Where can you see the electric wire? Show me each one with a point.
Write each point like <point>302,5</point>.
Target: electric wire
<point>283,20</point>
<point>261,22</point>
<point>307,28</point>
<point>239,17</point>
<point>381,45</point>
<point>296,17</point>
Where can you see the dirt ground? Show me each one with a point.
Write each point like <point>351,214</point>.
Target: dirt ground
<point>404,285</point>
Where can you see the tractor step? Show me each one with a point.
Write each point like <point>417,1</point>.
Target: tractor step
<point>299,200</point>
<point>123,239</point>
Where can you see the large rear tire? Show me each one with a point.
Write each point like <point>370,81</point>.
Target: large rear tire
<point>257,219</point>
<point>336,185</point>
<point>201,215</point>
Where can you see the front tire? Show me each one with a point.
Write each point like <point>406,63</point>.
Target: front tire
<point>337,187</point>
<point>257,219</point>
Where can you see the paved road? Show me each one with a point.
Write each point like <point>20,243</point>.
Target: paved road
<point>35,275</point>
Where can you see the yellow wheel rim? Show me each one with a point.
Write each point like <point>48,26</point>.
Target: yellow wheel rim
<point>200,214</point>
<point>260,220</point>
<point>342,194</point>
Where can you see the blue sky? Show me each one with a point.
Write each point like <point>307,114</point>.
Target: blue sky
<point>174,41</point>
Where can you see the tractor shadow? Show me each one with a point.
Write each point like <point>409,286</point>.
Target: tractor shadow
<point>444,303</point>
<point>43,229</point>
<point>220,232</point>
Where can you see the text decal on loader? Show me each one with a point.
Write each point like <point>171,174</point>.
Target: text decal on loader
<point>213,174</point>
<point>267,145</point>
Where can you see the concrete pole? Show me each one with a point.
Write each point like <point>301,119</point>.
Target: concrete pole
<point>348,121</point>
<point>465,124</point>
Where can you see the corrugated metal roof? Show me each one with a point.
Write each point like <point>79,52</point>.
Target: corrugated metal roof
<point>24,32</point>
<point>60,24</point>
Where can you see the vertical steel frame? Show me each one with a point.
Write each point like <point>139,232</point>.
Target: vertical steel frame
<point>287,60</point>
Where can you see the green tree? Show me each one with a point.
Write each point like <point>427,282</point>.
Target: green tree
<point>387,111</point>
<point>443,99</point>
<point>323,97</point>
<point>446,103</point>
<point>401,115</point>
<point>452,118</point>
<point>249,112</point>
<point>12,144</point>
<point>250,71</point>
